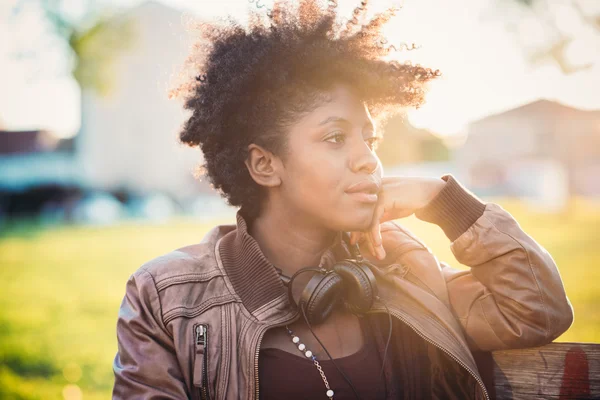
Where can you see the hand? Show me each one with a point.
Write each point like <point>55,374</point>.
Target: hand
<point>391,236</point>
<point>399,197</point>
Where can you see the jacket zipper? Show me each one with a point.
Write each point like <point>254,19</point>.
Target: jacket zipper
<point>256,364</point>
<point>469,370</point>
<point>201,336</point>
<point>260,338</point>
<point>401,318</point>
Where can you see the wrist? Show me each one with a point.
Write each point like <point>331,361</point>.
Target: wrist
<point>435,186</point>
<point>454,208</point>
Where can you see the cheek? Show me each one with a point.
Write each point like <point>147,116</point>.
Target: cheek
<point>315,187</point>
<point>325,173</point>
<point>318,178</point>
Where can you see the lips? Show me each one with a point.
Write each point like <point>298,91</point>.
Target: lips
<point>364,191</point>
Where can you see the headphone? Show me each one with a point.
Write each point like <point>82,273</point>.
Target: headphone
<point>349,282</point>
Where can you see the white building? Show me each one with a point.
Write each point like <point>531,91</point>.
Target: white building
<point>129,138</point>
<point>541,150</point>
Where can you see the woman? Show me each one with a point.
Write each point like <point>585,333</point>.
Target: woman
<point>285,112</point>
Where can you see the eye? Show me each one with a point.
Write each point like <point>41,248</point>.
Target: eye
<point>337,138</point>
<point>373,142</point>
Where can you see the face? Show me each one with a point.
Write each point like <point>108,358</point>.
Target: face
<point>331,174</point>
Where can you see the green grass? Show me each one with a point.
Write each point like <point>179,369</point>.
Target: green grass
<point>60,290</point>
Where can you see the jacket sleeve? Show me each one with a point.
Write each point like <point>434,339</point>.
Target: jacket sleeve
<point>513,295</point>
<point>145,366</point>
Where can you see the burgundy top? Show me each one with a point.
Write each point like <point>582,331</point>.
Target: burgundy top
<point>283,375</point>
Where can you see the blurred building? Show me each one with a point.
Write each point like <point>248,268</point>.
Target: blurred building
<point>533,148</point>
<point>35,158</point>
<point>127,144</point>
<point>129,138</point>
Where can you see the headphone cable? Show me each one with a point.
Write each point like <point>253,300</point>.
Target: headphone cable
<point>389,335</point>
<point>289,285</point>
<point>329,355</point>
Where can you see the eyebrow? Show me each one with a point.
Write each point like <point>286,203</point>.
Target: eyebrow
<point>343,121</point>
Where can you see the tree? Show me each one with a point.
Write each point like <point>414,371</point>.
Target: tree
<point>558,38</point>
<point>93,40</point>
<point>404,143</point>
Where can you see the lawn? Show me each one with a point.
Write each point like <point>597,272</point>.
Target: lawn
<point>60,290</point>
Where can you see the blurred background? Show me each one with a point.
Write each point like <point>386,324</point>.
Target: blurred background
<point>93,182</point>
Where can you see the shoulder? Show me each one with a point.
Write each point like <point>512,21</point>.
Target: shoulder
<point>178,280</point>
<point>198,259</point>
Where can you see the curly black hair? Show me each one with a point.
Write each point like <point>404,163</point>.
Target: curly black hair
<point>246,84</point>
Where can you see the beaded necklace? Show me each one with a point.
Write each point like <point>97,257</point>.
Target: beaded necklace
<point>302,348</point>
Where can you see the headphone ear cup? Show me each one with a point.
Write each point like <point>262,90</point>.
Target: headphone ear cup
<point>321,295</point>
<point>360,286</point>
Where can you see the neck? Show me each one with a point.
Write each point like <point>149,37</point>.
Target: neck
<point>288,242</point>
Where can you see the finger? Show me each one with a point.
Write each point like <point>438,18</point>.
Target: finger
<point>363,243</point>
<point>377,250</point>
<point>375,230</point>
<point>370,246</point>
<point>378,212</point>
<point>355,237</point>
<point>377,242</point>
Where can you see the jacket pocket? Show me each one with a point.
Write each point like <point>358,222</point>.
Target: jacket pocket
<point>201,361</point>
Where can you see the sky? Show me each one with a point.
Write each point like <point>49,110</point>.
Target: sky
<point>483,65</point>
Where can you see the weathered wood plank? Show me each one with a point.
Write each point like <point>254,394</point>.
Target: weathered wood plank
<point>555,371</point>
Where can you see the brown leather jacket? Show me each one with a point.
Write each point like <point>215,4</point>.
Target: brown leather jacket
<point>191,322</point>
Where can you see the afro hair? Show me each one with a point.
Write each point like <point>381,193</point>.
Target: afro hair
<point>245,85</point>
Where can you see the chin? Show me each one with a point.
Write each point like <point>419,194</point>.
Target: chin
<point>357,220</point>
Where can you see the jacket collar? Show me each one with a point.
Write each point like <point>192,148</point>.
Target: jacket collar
<point>253,277</point>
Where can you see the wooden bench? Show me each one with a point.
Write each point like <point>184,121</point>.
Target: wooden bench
<point>555,371</point>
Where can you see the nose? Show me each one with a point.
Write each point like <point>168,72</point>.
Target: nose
<point>363,159</point>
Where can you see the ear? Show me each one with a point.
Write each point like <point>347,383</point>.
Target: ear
<point>264,166</point>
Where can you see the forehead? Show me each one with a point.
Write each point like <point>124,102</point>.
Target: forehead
<point>342,102</point>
